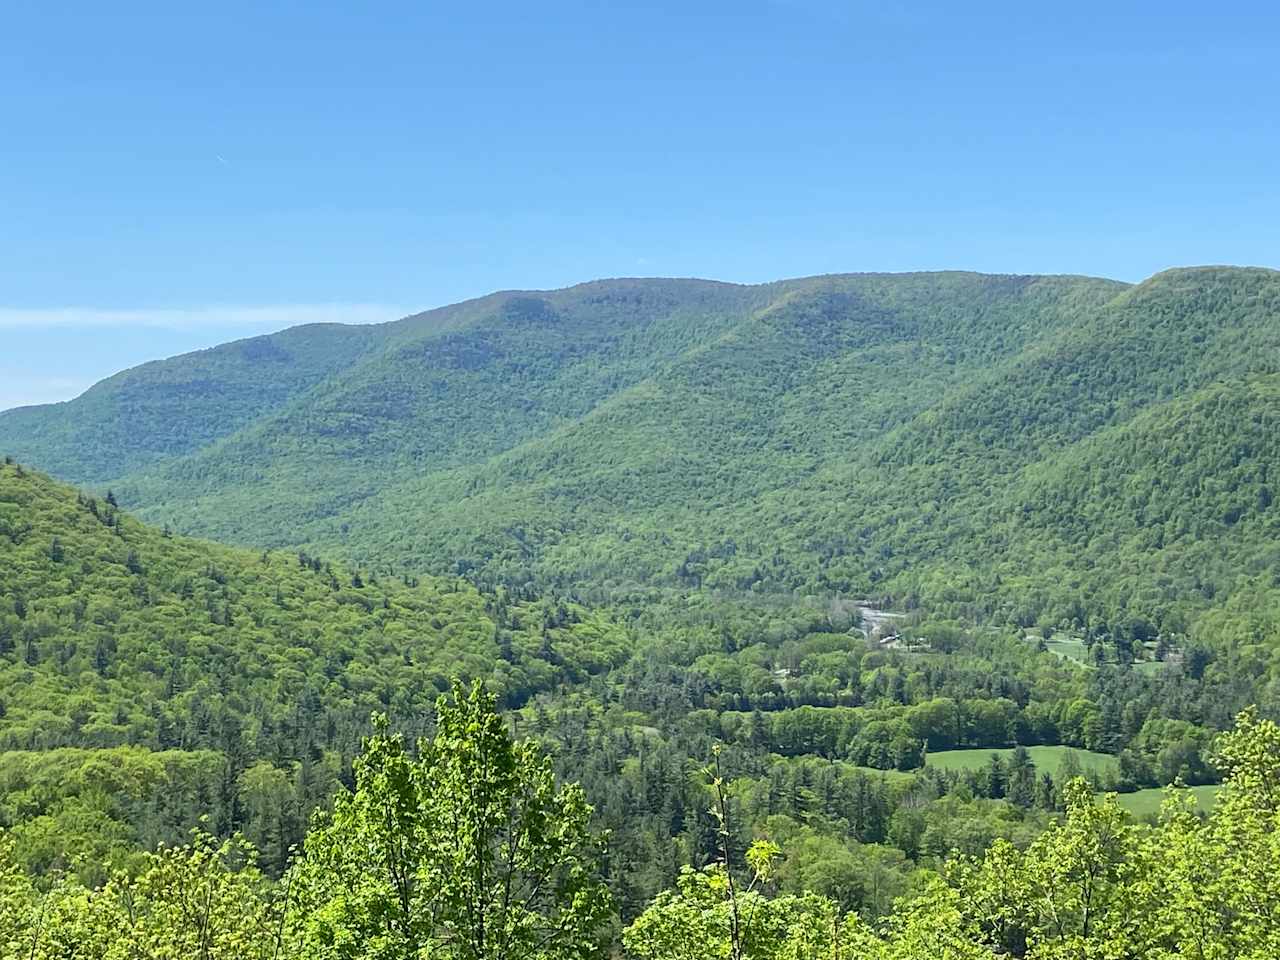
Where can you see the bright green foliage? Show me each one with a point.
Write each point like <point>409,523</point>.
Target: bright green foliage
<point>20,907</point>
<point>201,901</point>
<point>77,809</point>
<point>1042,449</point>
<point>470,852</point>
<point>1069,889</point>
<point>695,922</point>
<point>200,637</point>
<point>146,680</point>
<point>1098,886</point>
<point>1250,755</point>
<point>934,925</point>
<point>418,863</point>
<point>1094,886</point>
<point>1243,900</point>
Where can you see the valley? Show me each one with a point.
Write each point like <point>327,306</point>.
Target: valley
<point>922,564</point>
<point>595,481</point>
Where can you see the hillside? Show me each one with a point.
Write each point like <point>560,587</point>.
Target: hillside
<point>919,435</point>
<point>168,408</point>
<point>149,680</point>
<point>150,674</point>
<point>277,439</point>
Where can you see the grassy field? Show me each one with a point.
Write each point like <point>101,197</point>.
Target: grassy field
<point>1073,649</point>
<point>1148,667</point>
<point>1046,759</point>
<point>1143,803</point>
<point>1069,648</point>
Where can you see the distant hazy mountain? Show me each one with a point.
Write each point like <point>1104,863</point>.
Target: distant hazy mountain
<point>975,440</point>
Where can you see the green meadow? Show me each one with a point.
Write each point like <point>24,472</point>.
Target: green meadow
<point>1045,758</point>
<point>1146,803</point>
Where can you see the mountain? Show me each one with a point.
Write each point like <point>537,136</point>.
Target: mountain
<point>914,435</point>
<point>169,408</point>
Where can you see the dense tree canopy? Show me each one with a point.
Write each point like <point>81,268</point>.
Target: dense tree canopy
<point>151,681</point>
<point>1046,450</point>
<point>418,861</point>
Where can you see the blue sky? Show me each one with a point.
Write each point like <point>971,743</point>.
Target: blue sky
<point>174,175</point>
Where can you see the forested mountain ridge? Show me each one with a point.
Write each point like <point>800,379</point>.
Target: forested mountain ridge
<point>164,409</point>
<point>870,434</point>
<point>1139,395</point>
<point>168,408</point>
<point>360,411</point>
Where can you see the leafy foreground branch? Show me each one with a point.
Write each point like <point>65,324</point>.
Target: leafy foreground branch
<point>471,852</point>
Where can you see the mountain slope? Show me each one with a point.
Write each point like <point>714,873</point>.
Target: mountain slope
<point>172,631</point>
<point>766,383</point>
<point>933,489</point>
<point>521,366</point>
<point>170,407</point>
<point>147,679</point>
<point>815,379</point>
<point>861,433</point>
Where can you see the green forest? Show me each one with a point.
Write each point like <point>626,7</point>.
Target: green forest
<point>180,713</point>
<point>1053,451</point>
<point>888,616</point>
<point>466,846</point>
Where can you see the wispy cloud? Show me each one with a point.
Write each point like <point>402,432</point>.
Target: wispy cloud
<point>17,390</point>
<point>56,353</point>
<point>199,318</point>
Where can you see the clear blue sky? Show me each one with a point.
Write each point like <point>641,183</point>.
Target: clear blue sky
<point>175,174</point>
